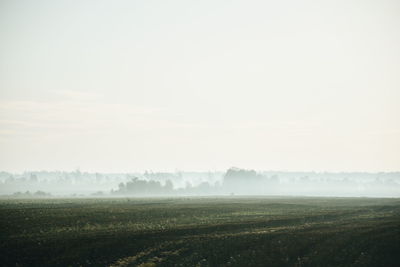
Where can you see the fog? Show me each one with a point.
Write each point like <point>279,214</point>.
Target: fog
<point>233,182</point>
<point>112,87</point>
<point>117,86</point>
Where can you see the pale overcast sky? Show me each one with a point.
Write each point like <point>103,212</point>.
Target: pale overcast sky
<point>200,85</point>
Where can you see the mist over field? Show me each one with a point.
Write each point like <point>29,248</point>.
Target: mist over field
<point>202,86</point>
<point>155,133</point>
<point>234,181</point>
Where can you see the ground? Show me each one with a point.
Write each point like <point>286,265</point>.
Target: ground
<point>231,231</point>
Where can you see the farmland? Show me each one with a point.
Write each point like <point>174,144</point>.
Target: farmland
<point>224,231</point>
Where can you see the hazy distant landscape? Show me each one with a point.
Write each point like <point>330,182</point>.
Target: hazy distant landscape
<point>200,133</point>
<point>235,218</point>
<point>234,181</point>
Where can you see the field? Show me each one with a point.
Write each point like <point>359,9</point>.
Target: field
<point>234,231</point>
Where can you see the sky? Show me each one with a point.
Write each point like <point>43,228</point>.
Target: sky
<point>120,86</point>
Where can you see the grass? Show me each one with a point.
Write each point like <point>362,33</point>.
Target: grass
<point>236,231</point>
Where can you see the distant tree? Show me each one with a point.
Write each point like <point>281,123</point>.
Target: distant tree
<point>241,180</point>
<point>33,178</point>
<point>137,186</point>
<point>236,175</point>
<point>169,186</point>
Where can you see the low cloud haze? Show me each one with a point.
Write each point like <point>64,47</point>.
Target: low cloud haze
<point>133,85</point>
<point>234,181</point>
